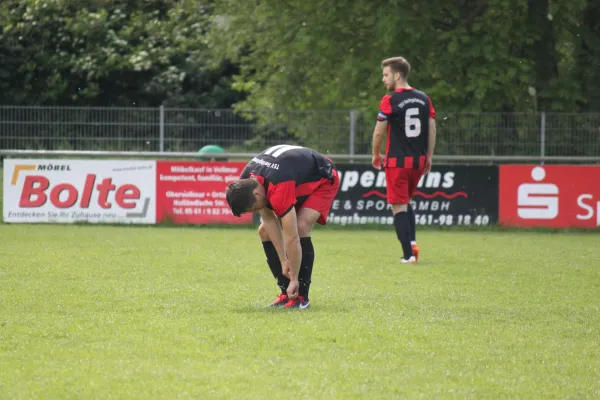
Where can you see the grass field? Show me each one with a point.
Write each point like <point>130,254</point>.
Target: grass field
<point>93,312</point>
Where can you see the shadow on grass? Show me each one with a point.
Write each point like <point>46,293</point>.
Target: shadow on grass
<point>328,308</point>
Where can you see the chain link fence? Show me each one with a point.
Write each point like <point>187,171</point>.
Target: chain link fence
<point>338,131</point>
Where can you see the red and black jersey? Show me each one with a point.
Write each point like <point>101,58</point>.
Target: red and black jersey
<point>289,174</point>
<point>407,112</point>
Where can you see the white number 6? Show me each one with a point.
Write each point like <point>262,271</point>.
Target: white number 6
<point>412,123</point>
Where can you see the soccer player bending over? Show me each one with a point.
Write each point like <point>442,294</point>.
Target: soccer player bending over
<point>408,117</point>
<point>292,187</point>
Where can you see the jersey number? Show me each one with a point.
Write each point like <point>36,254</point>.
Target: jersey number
<point>278,150</point>
<point>412,123</point>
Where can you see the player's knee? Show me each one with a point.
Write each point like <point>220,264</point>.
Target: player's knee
<point>304,228</point>
<point>262,232</point>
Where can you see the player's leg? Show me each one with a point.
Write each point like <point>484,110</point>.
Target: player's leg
<point>397,182</point>
<point>402,225</point>
<point>314,210</point>
<point>307,218</point>
<point>414,178</point>
<point>274,265</point>
<point>413,230</point>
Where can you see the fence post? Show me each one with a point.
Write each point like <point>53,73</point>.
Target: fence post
<point>352,134</point>
<point>161,129</point>
<point>543,137</point>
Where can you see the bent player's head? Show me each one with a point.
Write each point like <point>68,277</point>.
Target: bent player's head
<point>245,195</point>
<point>395,72</point>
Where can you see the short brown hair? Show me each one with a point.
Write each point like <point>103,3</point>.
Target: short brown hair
<point>240,195</point>
<point>397,64</point>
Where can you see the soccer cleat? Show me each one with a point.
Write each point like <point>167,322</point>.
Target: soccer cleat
<point>415,250</point>
<point>411,260</point>
<point>299,303</point>
<point>281,300</point>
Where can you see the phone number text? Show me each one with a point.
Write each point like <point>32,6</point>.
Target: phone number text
<point>449,219</point>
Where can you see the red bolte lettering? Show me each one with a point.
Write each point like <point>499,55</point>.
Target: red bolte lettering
<point>71,197</point>
<point>31,190</point>
<point>88,188</point>
<point>35,188</point>
<point>127,192</point>
<point>104,188</point>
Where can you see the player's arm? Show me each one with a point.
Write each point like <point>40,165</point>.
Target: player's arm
<point>381,127</point>
<point>432,136</point>
<point>378,136</point>
<point>282,198</point>
<point>289,223</point>
<point>273,227</point>
<point>430,146</point>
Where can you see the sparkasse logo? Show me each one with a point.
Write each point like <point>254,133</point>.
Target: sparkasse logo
<point>558,196</point>
<point>538,200</point>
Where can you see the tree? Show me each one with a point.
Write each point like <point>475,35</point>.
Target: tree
<point>110,53</point>
<point>470,56</point>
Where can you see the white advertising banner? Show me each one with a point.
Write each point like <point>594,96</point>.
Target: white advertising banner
<point>63,191</point>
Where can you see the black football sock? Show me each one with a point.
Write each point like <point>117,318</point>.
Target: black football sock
<point>275,266</point>
<point>402,224</point>
<point>413,223</point>
<point>306,267</point>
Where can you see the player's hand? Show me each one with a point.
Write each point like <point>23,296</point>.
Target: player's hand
<point>285,268</point>
<point>292,290</point>
<point>377,161</point>
<point>427,168</point>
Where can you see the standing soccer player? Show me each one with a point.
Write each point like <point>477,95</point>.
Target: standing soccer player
<point>292,187</point>
<point>408,117</point>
